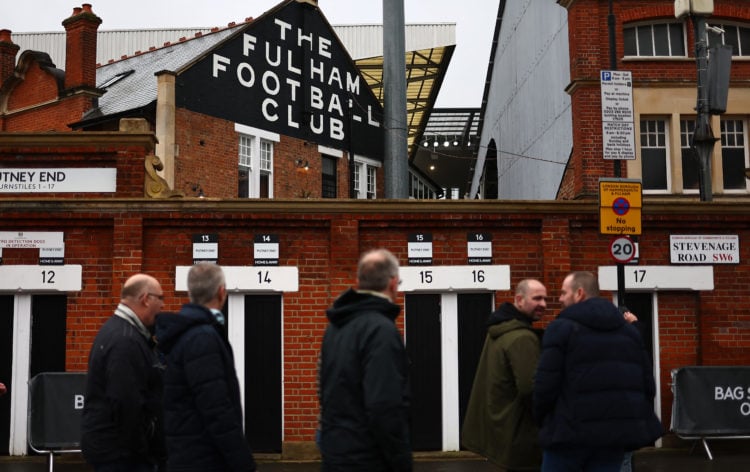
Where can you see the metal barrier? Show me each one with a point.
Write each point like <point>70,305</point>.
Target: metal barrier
<point>711,402</point>
<point>55,408</point>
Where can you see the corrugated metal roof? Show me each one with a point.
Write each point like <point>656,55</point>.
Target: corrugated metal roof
<point>362,41</point>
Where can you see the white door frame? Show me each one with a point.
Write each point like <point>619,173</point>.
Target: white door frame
<point>448,282</point>
<point>23,282</point>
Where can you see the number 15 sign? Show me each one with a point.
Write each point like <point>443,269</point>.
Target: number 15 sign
<point>451,278</point>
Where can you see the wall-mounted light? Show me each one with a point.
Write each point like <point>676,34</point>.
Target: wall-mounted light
<point>197,190</point>
<point>302,165</point>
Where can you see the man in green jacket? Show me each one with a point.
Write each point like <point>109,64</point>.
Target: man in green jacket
<point>498,422</point>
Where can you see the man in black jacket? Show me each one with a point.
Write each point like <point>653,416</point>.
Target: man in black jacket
<point>203,418</point>
<point>364,386</point>
<point>594,387</point>
<point>121,428</point>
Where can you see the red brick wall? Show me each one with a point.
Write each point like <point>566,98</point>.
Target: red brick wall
<point>589,54</point>
<point>205,146</point>
<point>8,52</point>
<point>91,150</point>
<point>113,239</point>
<point>36,103</point>
<point>218,157</point>
<point>80,46</point>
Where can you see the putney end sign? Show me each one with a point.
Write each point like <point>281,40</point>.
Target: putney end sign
<point>57,180</point>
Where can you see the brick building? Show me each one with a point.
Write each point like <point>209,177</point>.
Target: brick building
<point>542,118</point>
<point>274,107</point>
<point>79,217</point>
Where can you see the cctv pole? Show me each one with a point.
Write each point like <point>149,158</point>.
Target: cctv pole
<point>703,137</point>
<point>394,98</point>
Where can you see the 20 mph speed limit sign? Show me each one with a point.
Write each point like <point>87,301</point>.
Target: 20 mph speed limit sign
<point>622,249</point>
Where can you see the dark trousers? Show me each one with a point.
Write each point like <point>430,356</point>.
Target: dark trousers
<point>593,459</point>
<point>125,467</point>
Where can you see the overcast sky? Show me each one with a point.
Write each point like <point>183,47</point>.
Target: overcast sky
<point>463,85</point>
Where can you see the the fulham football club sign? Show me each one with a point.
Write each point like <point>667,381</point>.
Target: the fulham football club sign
<point>287,73</point>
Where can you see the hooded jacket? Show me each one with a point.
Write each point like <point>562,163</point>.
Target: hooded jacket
<point>498,423</point>
<point>594,385</point>
<point>202,410</point>
<point>364,387</point>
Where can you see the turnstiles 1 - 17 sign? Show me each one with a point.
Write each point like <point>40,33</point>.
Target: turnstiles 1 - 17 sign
<point>620,206</point>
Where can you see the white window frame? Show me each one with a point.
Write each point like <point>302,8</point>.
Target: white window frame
<point>258,136</point>
<point>744,121</point>
<point>651,26</point>
<point>744,49</point>
<point>419,189</point>
<point>667,153</point>
<point>686,191</point>
<point>365,168</point>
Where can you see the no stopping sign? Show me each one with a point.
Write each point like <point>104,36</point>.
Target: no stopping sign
<point>622,249</point>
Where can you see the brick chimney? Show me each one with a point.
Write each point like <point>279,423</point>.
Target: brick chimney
<point>8,52</point>
<point>80,47</point>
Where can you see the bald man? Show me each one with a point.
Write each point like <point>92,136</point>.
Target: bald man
<point>499,424</point>
<point>121,426</point>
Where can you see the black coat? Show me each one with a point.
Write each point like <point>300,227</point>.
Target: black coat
<point>364,387</point>
<point>594,384</point>
<point>121,418</point>
<point>202,410</point>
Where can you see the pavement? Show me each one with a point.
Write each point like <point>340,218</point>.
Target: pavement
<point>728,456</point>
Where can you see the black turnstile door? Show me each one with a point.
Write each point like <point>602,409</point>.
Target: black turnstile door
<point>48,330</point>
<point>423,347</point>
<point>473,311</point>
<point>263,421</point>
<point>641,305</point>
<point>6,360</point>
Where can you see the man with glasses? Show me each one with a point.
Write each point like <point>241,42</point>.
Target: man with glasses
<point>121,426</point>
